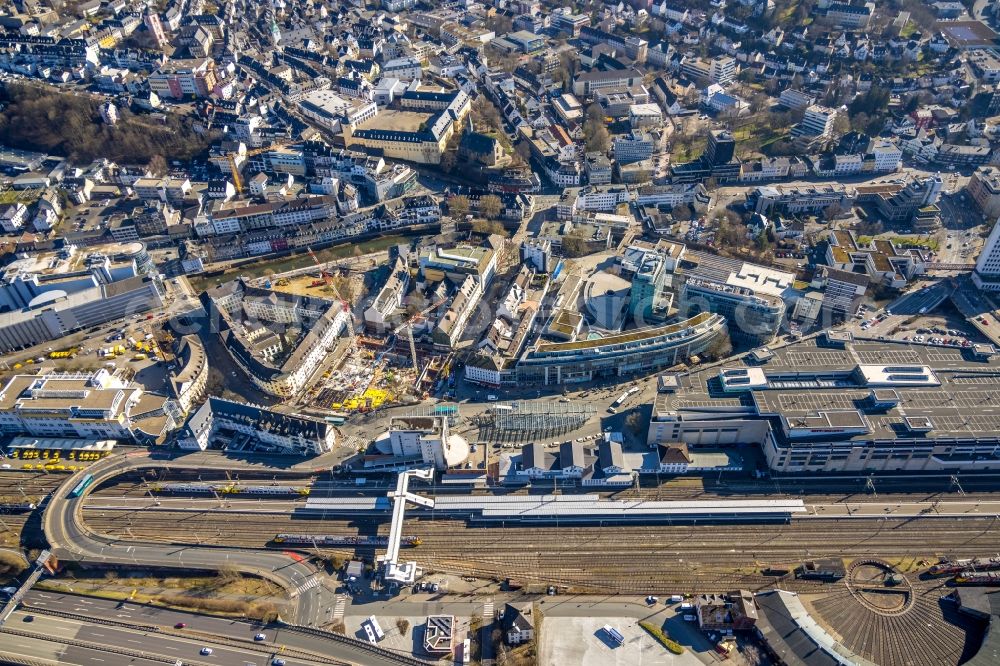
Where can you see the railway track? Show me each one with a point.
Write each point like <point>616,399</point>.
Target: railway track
<point>16,485</point>
<point>626,558</point>
<point>679,488</point>
<point>917,636</point>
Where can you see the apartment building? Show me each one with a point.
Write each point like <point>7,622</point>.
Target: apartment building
<point>984,188</point>
<point>805,199</point>
<point>179,79</point>
<point>13,216</point>
<point>570,23</point>
<point>795,99</point>
<point>237,426</point>
<point>720,70</point>
<point>986,64</point>
<point>389,298</point>
<point>189,380</point>
<point>850,16</point>
<point>458,262</point>
<point>404,69</point>
<point>242,216</point>
<point>816,122</point>
<point>250,320</point>
<point>986,276</point>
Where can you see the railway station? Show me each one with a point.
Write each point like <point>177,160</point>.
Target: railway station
<point>587,508</point>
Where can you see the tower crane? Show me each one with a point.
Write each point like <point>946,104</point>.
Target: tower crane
<point>408,325</point>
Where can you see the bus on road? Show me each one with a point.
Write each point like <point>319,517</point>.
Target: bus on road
<point>620,402</point>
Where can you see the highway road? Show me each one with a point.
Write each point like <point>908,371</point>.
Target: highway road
<point>201,631</point>
<point>70,633</point>
<point>922,301</point>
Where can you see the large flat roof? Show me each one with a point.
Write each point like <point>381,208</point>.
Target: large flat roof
<point>808,383</point>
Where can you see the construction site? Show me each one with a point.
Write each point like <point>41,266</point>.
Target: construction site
<point>373,370</point>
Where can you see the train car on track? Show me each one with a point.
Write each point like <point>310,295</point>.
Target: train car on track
<point>978,578</point>
<point>346,540</point>
<point>953,567</point>
<point>271,490</point>
<point>228,488</point>
<point>195,488</point>
<point>17,507</point>
<point>82,486</point>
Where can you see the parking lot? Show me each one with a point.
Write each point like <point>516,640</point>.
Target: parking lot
<point>581,640</point>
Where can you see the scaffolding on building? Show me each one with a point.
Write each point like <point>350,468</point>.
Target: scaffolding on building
<point>523,421</point>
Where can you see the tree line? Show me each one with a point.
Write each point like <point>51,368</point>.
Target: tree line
<point>68,125</point>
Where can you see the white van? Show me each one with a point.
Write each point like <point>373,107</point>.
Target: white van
<point>373,623</point>
<point>492,398</point>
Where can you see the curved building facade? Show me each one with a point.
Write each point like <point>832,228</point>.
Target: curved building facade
<point>642,351</point>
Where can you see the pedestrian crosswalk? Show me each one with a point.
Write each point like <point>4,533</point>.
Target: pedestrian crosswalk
<point>338,608</point>
<point>310,583</point>
<point>488,610</point>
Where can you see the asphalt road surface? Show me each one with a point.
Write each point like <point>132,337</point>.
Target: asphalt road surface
<point>71,540</point>
<point>202,629</point>
<point>56,629</point>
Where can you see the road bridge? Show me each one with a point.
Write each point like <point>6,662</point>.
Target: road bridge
<point>72,540</point>
<point>36,573</point>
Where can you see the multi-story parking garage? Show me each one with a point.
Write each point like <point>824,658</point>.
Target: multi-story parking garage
<point>848,406</point>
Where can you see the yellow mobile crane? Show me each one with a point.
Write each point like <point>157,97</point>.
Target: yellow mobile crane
<point>234,168</point>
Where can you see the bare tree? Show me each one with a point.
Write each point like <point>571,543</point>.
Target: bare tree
<point>595,130</point>
<point>157,165</point>
<point>490,206</point>
<point>458,206</point>
<point>681,212</point>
